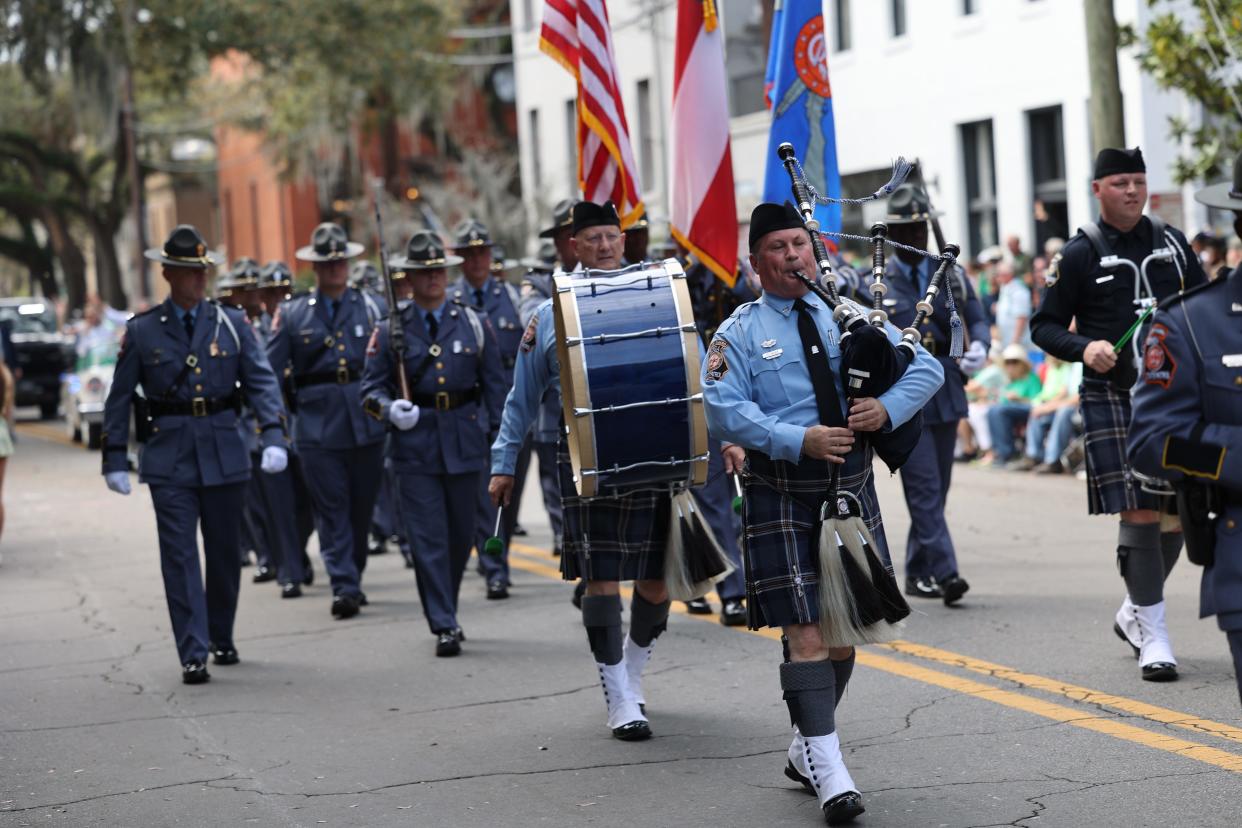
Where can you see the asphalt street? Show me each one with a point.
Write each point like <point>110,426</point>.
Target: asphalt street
<point>1020,707</point>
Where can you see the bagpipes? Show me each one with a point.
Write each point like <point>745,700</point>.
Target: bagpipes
<point>859,600</point>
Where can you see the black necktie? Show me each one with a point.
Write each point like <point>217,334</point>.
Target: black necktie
<point>433,327</point>
<point>826,399</point>
<point>478,297</point>
<point>332,306</point>
<point>188,319</point>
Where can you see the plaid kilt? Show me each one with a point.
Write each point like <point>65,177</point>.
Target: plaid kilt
<point>1111,486</point>
<point>781,517</point>
<point>614,537</point>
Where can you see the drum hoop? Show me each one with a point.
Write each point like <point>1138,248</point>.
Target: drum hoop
<point>574,380</point>
<point>692,358</point>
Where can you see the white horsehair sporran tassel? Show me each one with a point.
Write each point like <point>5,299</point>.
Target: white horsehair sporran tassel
<point>693,559</point>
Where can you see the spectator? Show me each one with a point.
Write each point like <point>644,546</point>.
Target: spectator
<point>1013,308</point>
<point>982,392</point>
<point>1020,261</point>
<point>1233,256</point>
<point>1050,427</point>
<point>1015,403</point>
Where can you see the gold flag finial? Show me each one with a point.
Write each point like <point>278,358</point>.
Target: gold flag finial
<point>710,20</point>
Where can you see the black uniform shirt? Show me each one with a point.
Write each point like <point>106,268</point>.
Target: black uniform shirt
<point>1101,299</point>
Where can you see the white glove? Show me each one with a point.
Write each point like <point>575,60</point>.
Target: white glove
<point>975,358</point>
<point>118,481</point>
<point>275,459</point>
<point>403,414</point>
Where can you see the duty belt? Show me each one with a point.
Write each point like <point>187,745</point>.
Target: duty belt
<point>445,400</point>
<point>196,407</point>
<point>341,376</point>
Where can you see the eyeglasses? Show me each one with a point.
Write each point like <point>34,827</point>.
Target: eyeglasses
<point>597,239</point>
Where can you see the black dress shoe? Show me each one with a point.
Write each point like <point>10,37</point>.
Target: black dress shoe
<point>733,613</point>
<point>792,773</point>
<point>264,574</point>
<point>1160,671</point>
<point>344,606</point>
<point>224,656</point>
<point>923,587</point>
<point>699,606</point>
<point>1121,634</point>
<point>579,591</point>
<point>291,591</point>
<point>519,530</point>
<point>195,672</point>
<point>632,731</point>
<point>953,587</point>
<point>556,550</point>
<point>448,643</point>
<point>843,808</point>
<point>362,599</point>
<point>497,591</point>
<point>375,544</point>
<point>308,572</point>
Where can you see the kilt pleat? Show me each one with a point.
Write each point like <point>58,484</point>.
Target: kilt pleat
<point>1111,485</point>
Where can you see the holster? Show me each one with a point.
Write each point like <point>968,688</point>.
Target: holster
<point>142,418</point>
<point>1198,506</point>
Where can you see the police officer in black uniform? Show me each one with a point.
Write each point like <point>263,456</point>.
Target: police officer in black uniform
<point>1188,424</point>
<point>1105,278</point>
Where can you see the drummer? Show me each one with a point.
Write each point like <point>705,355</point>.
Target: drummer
<point>607,539</point>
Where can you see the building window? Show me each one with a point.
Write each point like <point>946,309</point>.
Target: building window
<point>746,54</point>
<point>536,170</point>
<point>571,145</point>
<point>646,136</point>
<point>841,34</point>
<point>1047,154</point>
<point>898,17</point>
<point>968,7</point>
<point>979,164</point>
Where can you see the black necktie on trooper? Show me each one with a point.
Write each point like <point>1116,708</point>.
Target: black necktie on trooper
<point>433,327</point>
<point>188,319</point>
<point>826,398</point>
<point>478,298</point>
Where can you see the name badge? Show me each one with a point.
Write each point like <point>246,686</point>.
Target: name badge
<point>358,331</point>
<point>774,353</point>
<point>457,346</point>
<point>1232,360</point>
<point>1103,279</point>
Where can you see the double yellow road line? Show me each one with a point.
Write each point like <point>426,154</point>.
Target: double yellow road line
<point>539,561</point>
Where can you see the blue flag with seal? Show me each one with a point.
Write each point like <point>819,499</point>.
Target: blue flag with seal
<point>800,98</point>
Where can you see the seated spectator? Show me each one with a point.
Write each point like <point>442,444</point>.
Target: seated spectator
<point>1050,427</point>
<point>1013,308</point>
<point>982,392</point>
<point>1015,403</point>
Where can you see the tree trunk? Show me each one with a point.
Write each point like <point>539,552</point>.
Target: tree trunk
<point>1108,127</point>
<point>108,266</point>
<point>72,262</point>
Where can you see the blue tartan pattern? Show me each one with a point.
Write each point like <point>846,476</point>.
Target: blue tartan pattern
<point>1111,486</point>
<point>781,515</point>
<point>612,538</point>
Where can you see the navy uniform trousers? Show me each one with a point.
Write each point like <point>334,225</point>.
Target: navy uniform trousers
<point>925,480</point>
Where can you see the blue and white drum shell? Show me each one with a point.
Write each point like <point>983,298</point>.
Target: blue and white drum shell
<point>630,358</point>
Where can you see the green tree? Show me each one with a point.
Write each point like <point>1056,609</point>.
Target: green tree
<point>1199,55</point>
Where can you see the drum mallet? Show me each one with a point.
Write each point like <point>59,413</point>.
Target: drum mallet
<point>494,546</point>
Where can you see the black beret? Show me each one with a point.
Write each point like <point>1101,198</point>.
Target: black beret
<point>589,214</point>
<point>1113,161</point>
<point>769,217</point>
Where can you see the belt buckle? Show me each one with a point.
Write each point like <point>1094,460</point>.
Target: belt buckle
<point>442,401</point>
<point>198,407</point>
<point>342,375</point>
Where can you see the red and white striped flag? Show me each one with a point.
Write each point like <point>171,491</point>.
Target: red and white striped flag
<point>704,216</point>
<point>577,34</point>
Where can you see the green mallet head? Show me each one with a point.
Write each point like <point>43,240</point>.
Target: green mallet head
<point>493,546</point>
<point>737,505</point>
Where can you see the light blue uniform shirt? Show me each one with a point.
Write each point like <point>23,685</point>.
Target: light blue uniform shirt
<point>535,371</point>
<point>757,388</point>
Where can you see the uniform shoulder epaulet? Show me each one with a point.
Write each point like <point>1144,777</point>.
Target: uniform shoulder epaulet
<point>1186,294</point>
<point>146,312</point>
<point>732,320</point>
<point>298,294</point>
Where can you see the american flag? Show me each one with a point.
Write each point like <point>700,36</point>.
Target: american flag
<point>576,33</point>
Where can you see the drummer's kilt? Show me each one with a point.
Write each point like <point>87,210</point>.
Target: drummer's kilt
<point>781,516</point>
<point>1111,488</point>
<point>612,538</point>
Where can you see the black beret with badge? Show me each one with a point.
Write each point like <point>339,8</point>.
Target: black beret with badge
<point>588,214</point>
<point>1115,161</point>
<point>769,217</point>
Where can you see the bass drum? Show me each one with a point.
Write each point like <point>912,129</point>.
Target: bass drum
<point>630,358</point>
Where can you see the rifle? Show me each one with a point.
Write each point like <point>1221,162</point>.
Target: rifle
<point>395,332</point>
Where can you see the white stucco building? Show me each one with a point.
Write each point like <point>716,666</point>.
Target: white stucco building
<point>990,95</point>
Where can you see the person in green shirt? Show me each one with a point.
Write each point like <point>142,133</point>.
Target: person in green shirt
<point>1015,403</point>
<point>1051,424</point>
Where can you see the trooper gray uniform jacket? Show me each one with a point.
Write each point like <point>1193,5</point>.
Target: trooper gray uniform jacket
<point>193,388</point>
<point>501,306</point>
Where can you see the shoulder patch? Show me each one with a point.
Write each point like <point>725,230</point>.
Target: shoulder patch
<point>1052,274</point>
<point>528,336</point>
<point>1159,366</point>
<point>717,363</point>
<point>276,317</point>
<point>373,343</point>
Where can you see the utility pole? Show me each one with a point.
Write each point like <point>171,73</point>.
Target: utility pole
<point>1107,117</point>
<point>129,121</point>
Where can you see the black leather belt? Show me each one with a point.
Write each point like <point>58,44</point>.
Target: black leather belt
<point>196,407</point>
<point>341,376</point>
<point>445,400</point>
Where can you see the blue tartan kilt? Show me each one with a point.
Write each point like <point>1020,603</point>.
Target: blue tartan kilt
<point>1111,485</point>
<point>615,537</point>
<point>781,517</point>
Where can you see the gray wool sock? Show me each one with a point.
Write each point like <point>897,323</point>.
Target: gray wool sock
<point>843,670</point>
<point>1141,562</point>
<point>647,620</point>
<point>810,694</point>
<point>601,615</point>
<point>1170,549</point>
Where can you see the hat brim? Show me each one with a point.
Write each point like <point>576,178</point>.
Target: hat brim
<point>550,232</point>
<point>914,219</point>
<point>212,258</point>
<point>308,254</point>
<point>402,263</point>
<point>1218,195</point>
<point>474,245</point>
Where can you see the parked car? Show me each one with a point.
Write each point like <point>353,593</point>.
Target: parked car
<point>86,390</point>
<point>41,350</point>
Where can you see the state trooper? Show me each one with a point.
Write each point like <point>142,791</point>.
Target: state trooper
<point>931,561</point>
<point>365,276</point>
<point>607,539</point>
<point>765,394</point>
<point>320,337</point>
<point>275,286</point>
<point>194,359</point>
<point>545,436</point>
<point>498,302</point>
<point>1102,282</point>
<point>1187,425</point>
<point>439,449</point>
